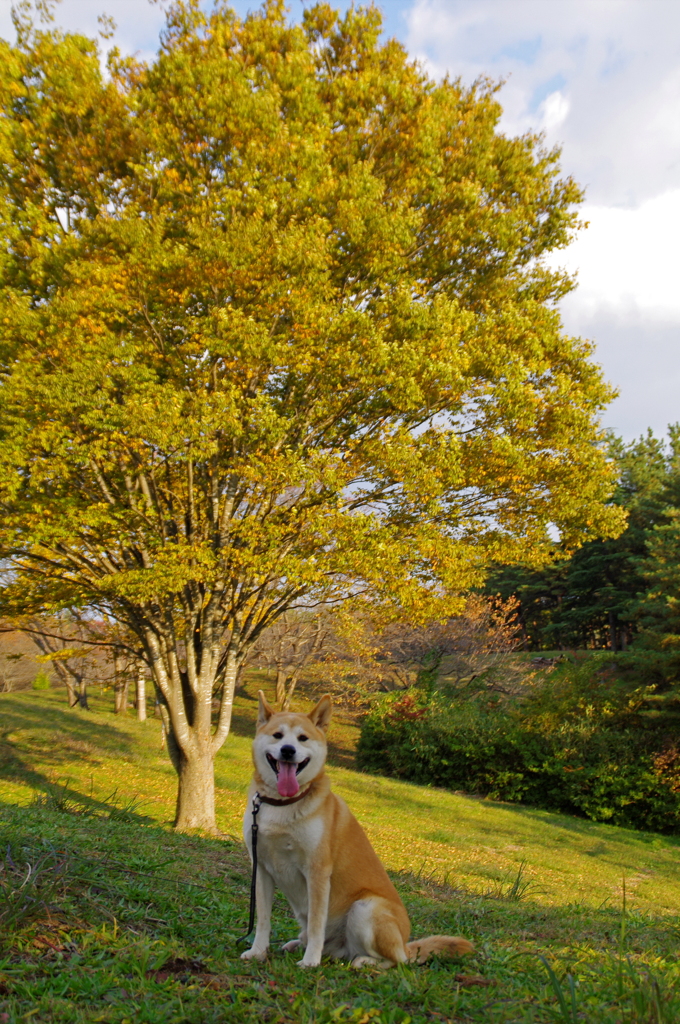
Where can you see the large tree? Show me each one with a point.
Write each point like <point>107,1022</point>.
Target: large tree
<point>275,330</point>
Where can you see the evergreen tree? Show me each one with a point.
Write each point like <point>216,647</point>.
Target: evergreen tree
<point>658,609</point>
<point>592,599</point>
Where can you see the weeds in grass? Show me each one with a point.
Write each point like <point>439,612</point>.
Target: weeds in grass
<point>28,888</point>
<point>568,1010</point>
<point>517,888</point>
<point>57,798</point>
<point>644,993</point>
<point>357,1015</point>
<point>640,994</point>
<point>520,885</point>
<point>647,1001</point>
<point>125,812</point>
<point>622,938</point>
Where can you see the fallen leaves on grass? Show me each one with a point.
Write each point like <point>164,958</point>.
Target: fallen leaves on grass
<point>470,980</point>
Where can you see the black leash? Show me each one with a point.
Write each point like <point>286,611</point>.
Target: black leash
<point>257,804</point>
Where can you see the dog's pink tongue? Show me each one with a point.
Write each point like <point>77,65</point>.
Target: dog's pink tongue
<point>286,782</point>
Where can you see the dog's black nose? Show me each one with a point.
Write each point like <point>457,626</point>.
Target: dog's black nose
<point>287,752</point>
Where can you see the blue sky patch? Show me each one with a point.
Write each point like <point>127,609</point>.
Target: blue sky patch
<point>554,84</point>
<point>525,51</point>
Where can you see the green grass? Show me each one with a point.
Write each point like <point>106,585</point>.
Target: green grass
<point>107,915</point>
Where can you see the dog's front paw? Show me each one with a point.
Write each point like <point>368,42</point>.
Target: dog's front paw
<point>288,947</point>
<point>311,962</point>
<point>254,954</point>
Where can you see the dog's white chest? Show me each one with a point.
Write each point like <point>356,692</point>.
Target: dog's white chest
<point>283,847</point>
<point>287,849</point>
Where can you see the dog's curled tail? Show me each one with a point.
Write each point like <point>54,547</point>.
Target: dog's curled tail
<point>420,949</point>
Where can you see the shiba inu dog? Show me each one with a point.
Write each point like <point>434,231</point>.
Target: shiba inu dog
<point>315,851</point>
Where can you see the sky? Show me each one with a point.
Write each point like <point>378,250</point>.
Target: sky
<point>601,79</point>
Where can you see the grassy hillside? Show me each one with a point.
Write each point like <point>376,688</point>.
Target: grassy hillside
<point>121,920</point>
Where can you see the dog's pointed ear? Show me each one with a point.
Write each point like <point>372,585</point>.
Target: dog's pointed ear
<point>264,712</point>
<point>321,714</point>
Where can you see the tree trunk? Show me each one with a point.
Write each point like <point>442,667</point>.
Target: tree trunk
<point>66,679</point>
<point>525,639</point>
<point>82,695</point>
<point>292,683</point>
<point>187,727</point>
<point>120,687</point>
<point>280,692</point>
<point>141,694</point>
<point>285,705</point>
<point>196,791</point>
<point>120,696</point>
<point>166,730</point>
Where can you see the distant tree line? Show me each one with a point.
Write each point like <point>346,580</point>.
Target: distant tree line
<point>612,592</point>
<point>76,650</point>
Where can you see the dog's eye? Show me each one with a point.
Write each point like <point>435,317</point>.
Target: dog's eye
<point>278,735</point>
<point>302,739</point>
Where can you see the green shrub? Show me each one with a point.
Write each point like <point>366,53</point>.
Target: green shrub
<point>626,689</point>
<point>577,746</point>
<point>42,681</point>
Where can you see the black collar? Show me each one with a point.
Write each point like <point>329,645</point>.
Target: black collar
<point>282,803</point>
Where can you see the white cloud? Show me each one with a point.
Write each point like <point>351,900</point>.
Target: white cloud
<point>554,110</point>
<point>617,62</point>
<point>138,22</point>
<point>628,260</point>
<point>640,357</point>
<point>601,78</point>
<point>628,302</point>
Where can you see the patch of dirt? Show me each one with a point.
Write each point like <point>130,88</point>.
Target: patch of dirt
<point>188,972</point>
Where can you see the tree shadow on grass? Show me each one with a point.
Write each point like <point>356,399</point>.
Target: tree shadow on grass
<point>67,739</point>
<point>242,724</point>
<point>150,878</point>
<point>59,797</point>
<point>583,826</point>
<point>70,725</point>
<point>437,906</point>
